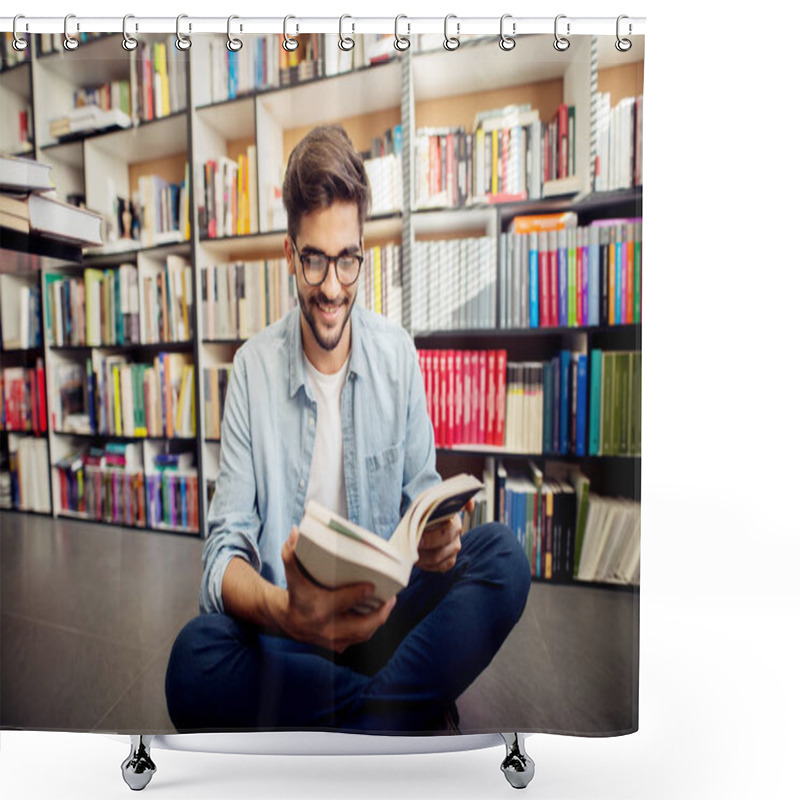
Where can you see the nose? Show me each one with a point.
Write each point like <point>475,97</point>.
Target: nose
<point>330,286</point>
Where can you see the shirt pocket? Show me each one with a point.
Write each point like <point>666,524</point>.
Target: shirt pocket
<point>385,481</point>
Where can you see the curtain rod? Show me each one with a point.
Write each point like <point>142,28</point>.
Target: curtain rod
<point>293,25</point>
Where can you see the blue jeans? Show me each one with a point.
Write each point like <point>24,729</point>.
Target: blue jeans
<point>224,674</point>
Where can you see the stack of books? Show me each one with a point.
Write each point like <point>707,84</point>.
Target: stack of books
<point>28,205</point>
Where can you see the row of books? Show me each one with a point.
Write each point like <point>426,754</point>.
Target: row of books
<point>453,284</point>
<point>111,485</point>
<point>227,196</point>
<point>240,299</point>
<point>510,156</point>
<point>567,532</point>
<point>168,301</point>
<point>263,63</point>
<point>28,467</point>
<point>23,403</point>
<point>386,183</point>
<point>158,80</point>
<point>573,403</point>
<point>215,390</point>
<point>163,209</point>
<point>553,273</point>
<point>112,396</point>
<point>96,308</point>
<point>381,281</point>
<point>54,42</point>
<point>618,162</point>
<point>95,108</point>
<point>20,313</point>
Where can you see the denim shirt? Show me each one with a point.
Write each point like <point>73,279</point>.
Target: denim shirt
<point>268,438</point>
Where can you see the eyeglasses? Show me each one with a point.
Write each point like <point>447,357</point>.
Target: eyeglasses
<point>315,267</point>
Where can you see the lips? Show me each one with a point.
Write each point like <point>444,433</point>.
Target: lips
<point>329,311</point>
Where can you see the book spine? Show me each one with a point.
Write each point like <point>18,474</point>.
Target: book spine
<point>500,413</point>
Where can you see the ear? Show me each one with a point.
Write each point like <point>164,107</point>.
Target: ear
<point>289,253</point>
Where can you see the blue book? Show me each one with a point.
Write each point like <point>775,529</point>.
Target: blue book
<point>563,416</point>
<point>595,394</point>
<point>533,279</point>
<point>398,140</point>
<point>580,423</point>
<point>563,276</point>
<point>90,396</point>
<point>555,381</point>
<point>594,276</point>
<point>184,507</point>
<point>67,305</point>
<point>519,510</point>
<point>119,328</point>
<point>547,408</point>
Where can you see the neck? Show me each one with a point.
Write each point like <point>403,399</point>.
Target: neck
<point>325,361</point>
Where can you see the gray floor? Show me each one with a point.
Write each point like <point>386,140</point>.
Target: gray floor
<point>89,614</point>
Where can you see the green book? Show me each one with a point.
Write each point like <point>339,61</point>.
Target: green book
<point>595,400</point>
<point>623,375</point>
<point>607,440</point>
<point>636,404</point>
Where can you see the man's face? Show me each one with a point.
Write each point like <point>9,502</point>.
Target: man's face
<point>326,308</point>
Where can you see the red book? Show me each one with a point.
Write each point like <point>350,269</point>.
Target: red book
<point>483,380</point>
<point>458,415</point>
<point>629,244</point>
<point>62,481</point>
<point>435,403</point>
<point>500,413</point>
<point>544,281</point>
<point>563,141</point>
<point>474,370</point>
<point>451,397</point>
<point>42,404</point>
<point>491,395</point>
<point>552,284</point>
<point>467,398</point>
<point>442,398</point>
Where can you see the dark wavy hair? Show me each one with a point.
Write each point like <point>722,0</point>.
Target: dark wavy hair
<point>324,168</point>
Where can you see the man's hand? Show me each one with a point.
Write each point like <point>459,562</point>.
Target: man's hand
<point>439,547</point>
<point>325,617</point>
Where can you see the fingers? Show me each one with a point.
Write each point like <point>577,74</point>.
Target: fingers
<point>440,559</point>
<point>356,628</point>
<point>441,535</point>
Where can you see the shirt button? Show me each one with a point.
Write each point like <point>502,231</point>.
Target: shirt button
<point>302,483</point>
<point>311,422</point>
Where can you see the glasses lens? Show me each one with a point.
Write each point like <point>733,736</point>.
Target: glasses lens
<point>315,266</point>
<point>347,269</point>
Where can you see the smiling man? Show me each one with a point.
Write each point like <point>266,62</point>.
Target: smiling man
<point>328,404</point>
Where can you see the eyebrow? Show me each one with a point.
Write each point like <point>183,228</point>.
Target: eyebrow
<point>345,251</point>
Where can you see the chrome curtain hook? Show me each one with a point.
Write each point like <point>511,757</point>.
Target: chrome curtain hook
<point>401,43</point>
<point>19,44</point>
<point>233,44</point>
<point>560,43</point>
<point>182,42</point>
<point>623,45</point>
<point>507,42</point>
<point>128,42</point>
<point>346,42</point>
<point>451,42</point>
<point>70,42</point>
<point>289,44</point>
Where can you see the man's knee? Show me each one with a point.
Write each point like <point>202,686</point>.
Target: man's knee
<point>503,562</point>
<point>197,652</point>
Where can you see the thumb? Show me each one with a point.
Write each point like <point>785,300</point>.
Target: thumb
<point>288,546</point>
<point>346,597</point>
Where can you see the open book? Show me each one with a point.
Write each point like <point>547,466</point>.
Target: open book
<point>336,552</point>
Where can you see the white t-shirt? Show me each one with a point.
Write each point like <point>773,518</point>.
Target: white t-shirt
<point>326,481</point>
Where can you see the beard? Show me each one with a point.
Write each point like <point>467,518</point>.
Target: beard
<point>327,336</point>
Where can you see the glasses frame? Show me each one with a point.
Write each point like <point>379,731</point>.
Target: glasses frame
<point>335,260</point>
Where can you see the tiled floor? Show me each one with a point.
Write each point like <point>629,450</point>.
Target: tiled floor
<point>89,614</point>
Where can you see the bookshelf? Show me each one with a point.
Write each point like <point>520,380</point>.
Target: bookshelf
<point>232,120</point>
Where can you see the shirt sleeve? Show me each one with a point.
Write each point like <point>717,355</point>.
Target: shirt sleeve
<point>233,519</point>
<point>419,470</point>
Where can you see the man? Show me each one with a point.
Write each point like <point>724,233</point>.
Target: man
<point>328,403</point>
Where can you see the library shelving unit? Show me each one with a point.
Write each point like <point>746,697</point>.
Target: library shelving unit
<point>16,121</point>
<point>231,124</point>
